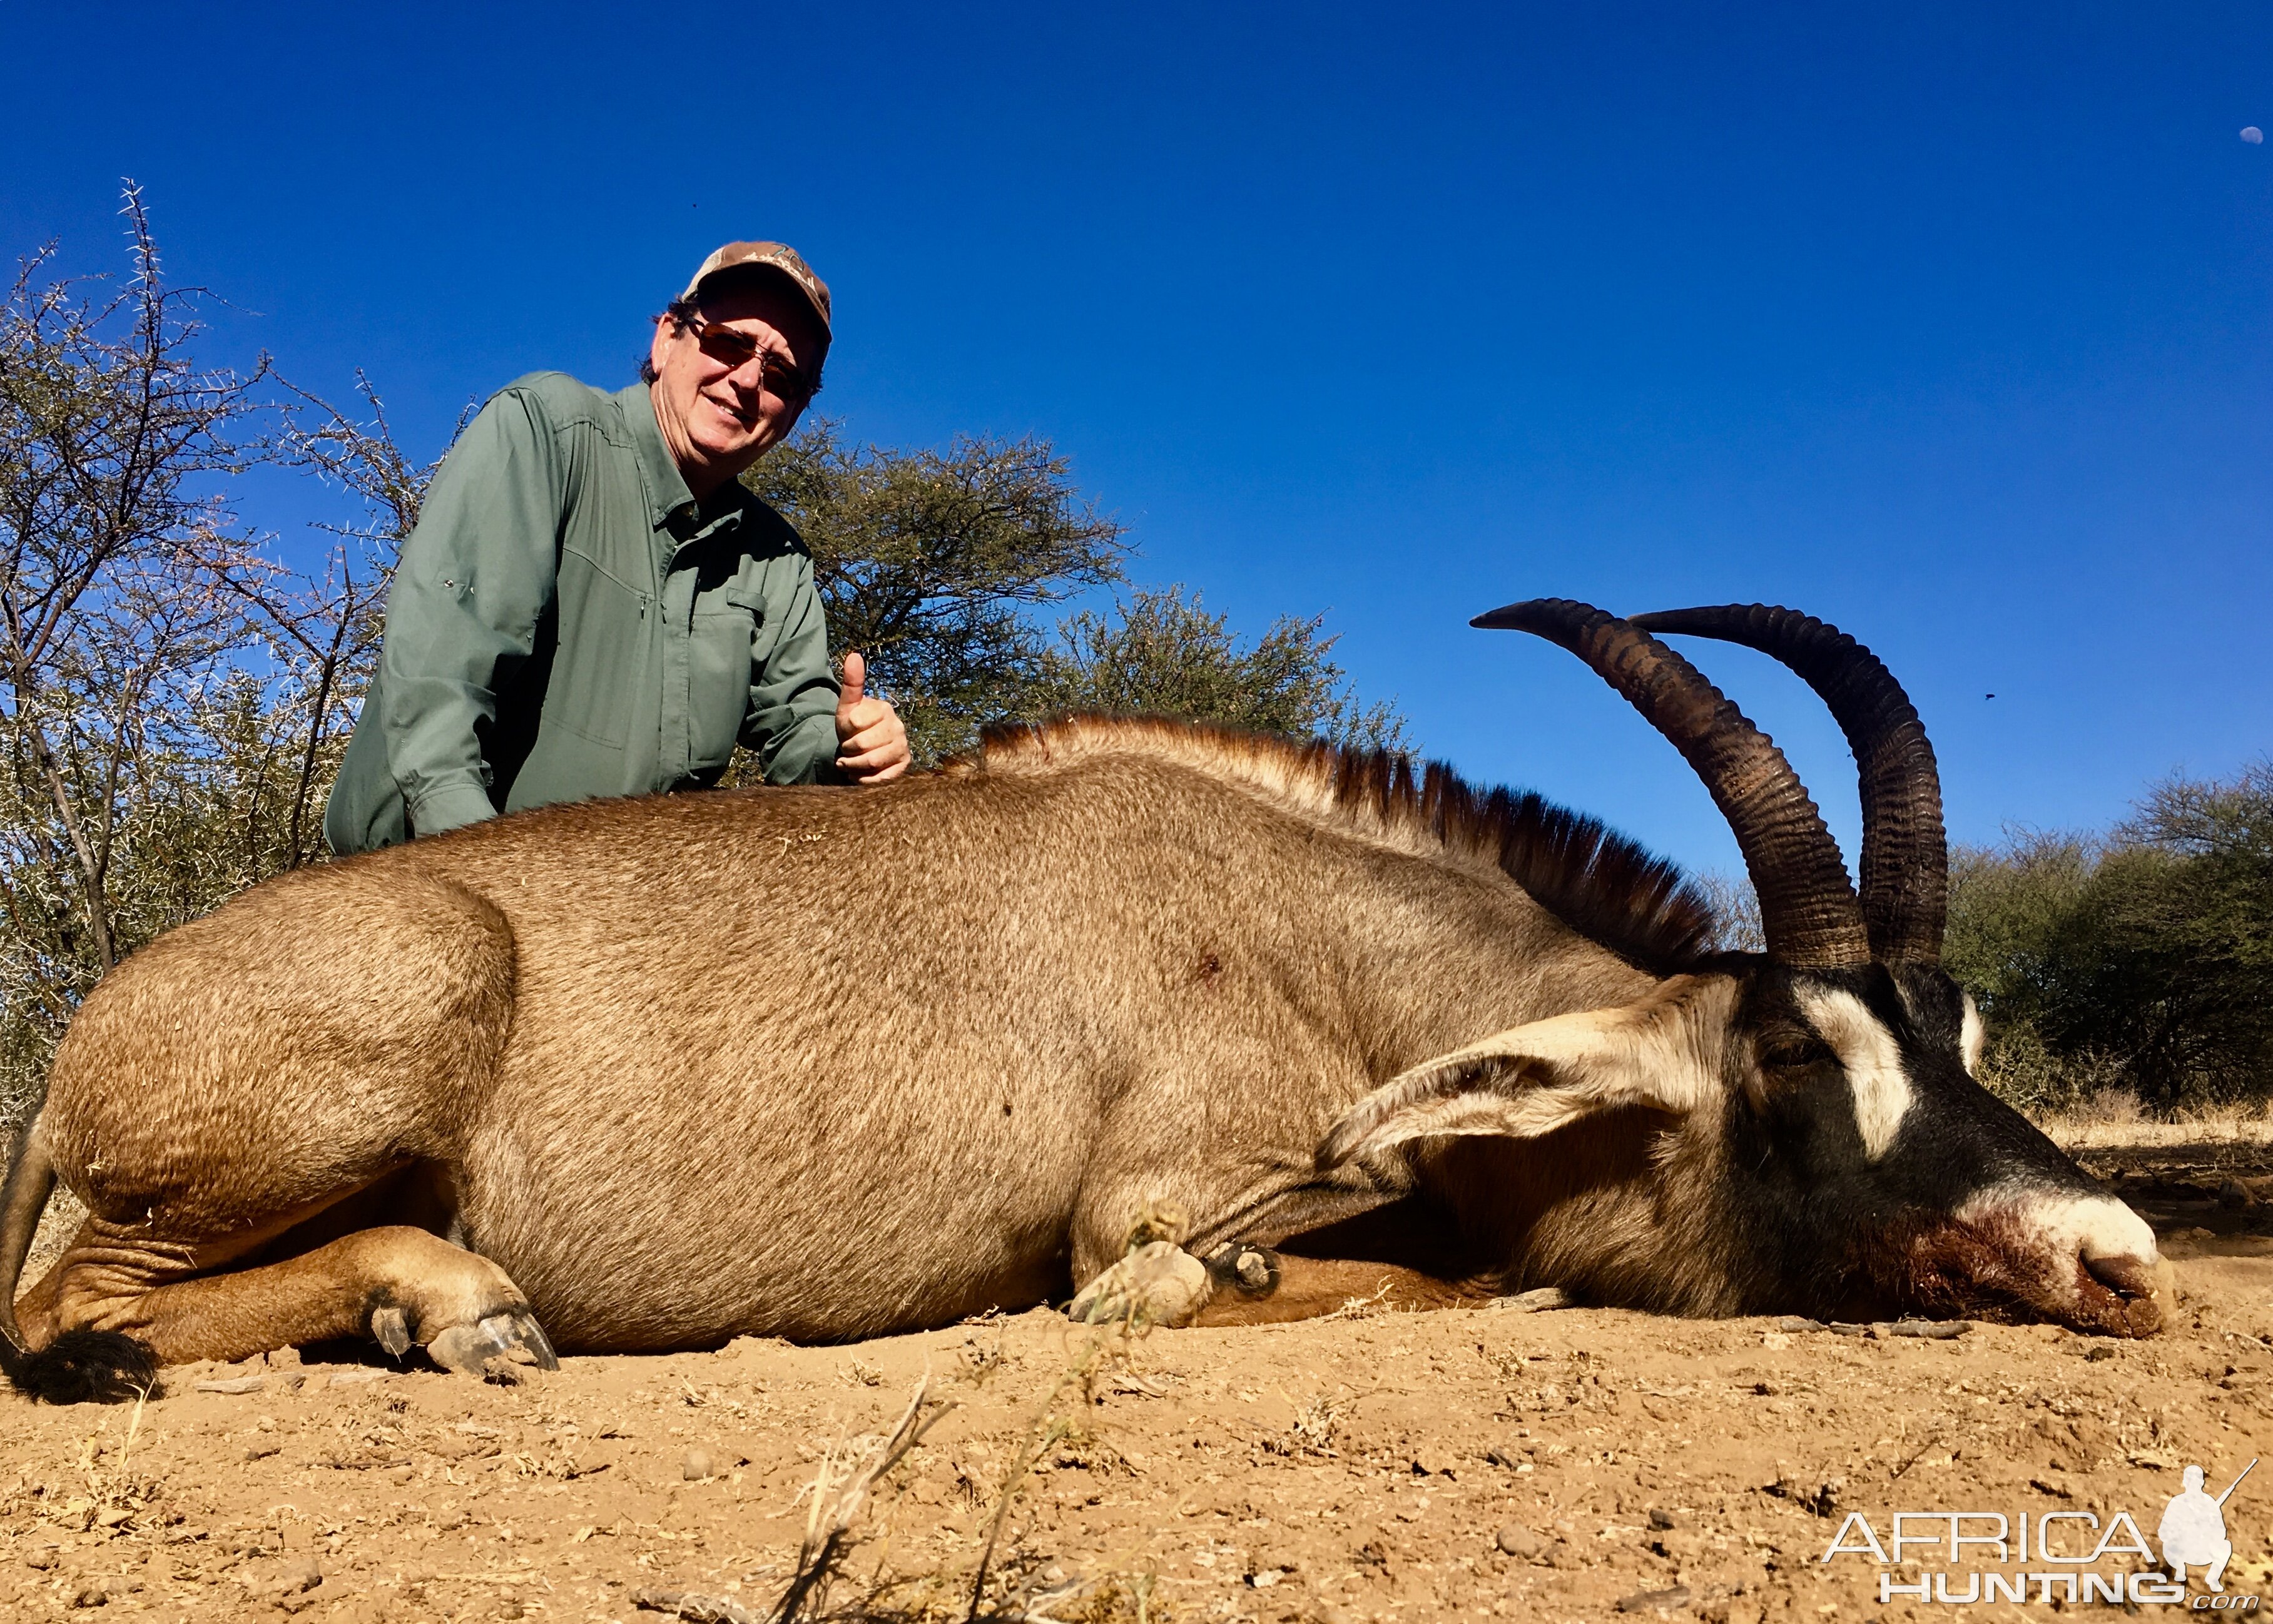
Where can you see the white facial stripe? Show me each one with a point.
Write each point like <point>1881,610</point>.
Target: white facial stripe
<point>1873,1061</point>
<point>1971,1037</point>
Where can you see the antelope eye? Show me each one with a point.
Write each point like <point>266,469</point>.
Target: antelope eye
<point>1793,1054</point>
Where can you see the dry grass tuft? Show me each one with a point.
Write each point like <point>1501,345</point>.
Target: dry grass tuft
<point>841,1490</point>
<point>1362,1308</point>
<point>1311,1432</point>
<point>838,1498</point>
<point>114,1498</point>
<point>1005,1586</point>
<point>1105,1349</point>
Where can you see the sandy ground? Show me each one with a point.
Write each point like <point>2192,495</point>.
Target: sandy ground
<point>1491,1463</point>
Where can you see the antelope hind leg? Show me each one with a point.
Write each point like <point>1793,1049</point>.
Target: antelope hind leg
<point>1157,1283</point>
<point>1305,1288</point>
<point>399,1285</point>
<point>1240,1283</point>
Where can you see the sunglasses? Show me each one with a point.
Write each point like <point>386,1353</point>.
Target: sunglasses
<point>735,350</point>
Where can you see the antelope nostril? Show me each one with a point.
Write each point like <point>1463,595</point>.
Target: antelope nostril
<point>2125,1275</point>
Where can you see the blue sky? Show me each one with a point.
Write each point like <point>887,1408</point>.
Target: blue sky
<point>1950,323</point>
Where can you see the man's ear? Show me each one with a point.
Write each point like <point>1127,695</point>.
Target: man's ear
<point>1532,1079</point>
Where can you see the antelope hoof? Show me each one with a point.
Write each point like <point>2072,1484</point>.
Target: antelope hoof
<point>1250,1270</point>
<point>468,1349</point>
<point>1157,1283</point>
<point>392,1330</point>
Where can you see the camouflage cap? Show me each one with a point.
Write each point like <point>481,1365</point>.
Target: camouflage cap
<point>775,256</point>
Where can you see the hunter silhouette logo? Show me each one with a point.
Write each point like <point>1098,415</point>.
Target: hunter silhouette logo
<point>2073,1556</point>
<point>2193,1530</point>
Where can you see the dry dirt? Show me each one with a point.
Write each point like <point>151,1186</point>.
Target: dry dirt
<point>1491,1461</point>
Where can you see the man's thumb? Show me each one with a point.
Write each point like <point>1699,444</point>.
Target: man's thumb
<point>856,673</point>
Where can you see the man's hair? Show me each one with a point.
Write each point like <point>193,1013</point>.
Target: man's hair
<point>676,313</point>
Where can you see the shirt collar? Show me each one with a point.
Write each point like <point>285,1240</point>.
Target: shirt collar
<point>675,512</point>
<point>667,495</point>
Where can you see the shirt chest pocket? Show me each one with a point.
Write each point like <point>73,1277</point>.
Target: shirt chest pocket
<point>731,639</point>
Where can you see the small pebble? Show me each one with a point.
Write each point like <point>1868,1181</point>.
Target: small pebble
<point>1796,1323</point>
<point>1519,1541</point>
<point>304,1575</point>
<point>1661,1519</point>
<point>2234,1195</point>
<point>697,1466</point>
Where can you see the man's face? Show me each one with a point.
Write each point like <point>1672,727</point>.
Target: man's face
<point>719,415</point>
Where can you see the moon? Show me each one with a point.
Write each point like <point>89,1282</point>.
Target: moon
<point>2252,134</point>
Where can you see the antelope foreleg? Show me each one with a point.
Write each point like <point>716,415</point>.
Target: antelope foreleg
<point>398,1283</point>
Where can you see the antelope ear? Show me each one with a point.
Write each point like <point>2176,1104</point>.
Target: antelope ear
<point>1532,1079</point>
<point>1972,1037</point>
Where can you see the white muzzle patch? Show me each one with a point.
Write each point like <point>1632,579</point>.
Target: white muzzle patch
<point>2090,1228</point>
<point>1874,1063</point>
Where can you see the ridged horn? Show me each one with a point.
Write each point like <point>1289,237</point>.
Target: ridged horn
<point>1905,889</point>
<point>1808,910</point>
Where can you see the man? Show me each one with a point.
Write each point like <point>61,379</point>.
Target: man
<point>592,605</point>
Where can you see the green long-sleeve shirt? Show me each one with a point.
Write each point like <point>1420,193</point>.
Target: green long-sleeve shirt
<point>568,622</point>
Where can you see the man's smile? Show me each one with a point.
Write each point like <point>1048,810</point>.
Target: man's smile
<point>746,420</point>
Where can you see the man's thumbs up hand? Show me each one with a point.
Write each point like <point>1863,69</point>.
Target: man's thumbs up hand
<point>872,745</point>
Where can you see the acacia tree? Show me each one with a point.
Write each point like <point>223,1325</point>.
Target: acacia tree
<point>931,562</point>
<point>121,577</point>
<point>1161,654</point>
<point>322,632</point>
<point>2141,958</point>
<point>173,702</point>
